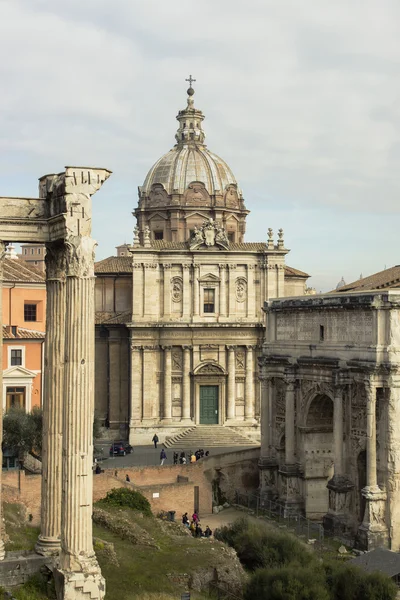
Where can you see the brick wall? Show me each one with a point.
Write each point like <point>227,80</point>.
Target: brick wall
<point>230,472</point>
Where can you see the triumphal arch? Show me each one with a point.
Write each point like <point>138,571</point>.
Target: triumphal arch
<point>61,218</point>
<point>330,441</point>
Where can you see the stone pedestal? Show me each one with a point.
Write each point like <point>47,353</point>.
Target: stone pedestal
<point>337,521</point>
<point>290,496</point>
<point>268,479</point>
<point>373,531</point>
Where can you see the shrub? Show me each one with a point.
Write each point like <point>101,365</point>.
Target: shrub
<point>129,498</point>
<point>347,582</point>
<point>287,583</point>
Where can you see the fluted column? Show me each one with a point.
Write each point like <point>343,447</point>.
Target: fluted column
<point>231,383</point>
<point>222,290</point>
<point>136,411</point>
<point>186,290</point>
<point>77,559</point>
<point>2,255</point>
<point>167,409</point>
<point>167,290</point>
<point>289,422</point>
<point>196,298</point>
<point>371,436</point>
<point>49,542</point>
<point>249,385</point>
<point>338,430</point>
<point>186,384</point>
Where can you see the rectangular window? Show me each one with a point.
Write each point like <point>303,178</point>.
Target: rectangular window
<point>16,358</point>
<point>209,300</point>
<point>158,235</point>
<point>32,251</point>
<point>15,397</point>
<point>25,251</point>
<point>321,333</point>
<point>38,251</point>
<point>30,312</point>
<point>231,236</point>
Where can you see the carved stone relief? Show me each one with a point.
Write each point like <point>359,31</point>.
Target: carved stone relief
<point>231,196</point>
<point>176,289</point>
<point>240,360</point>
<point>158,196</point>
<point>210,370</point>
<point>176,360</point>
<point>196,195</point>
<point>241,289</point>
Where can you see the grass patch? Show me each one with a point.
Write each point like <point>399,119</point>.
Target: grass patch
<point>22,535</point>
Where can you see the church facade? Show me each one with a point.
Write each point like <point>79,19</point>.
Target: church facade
<point>179,321</point>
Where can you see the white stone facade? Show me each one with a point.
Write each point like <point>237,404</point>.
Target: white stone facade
<point>330,412</point>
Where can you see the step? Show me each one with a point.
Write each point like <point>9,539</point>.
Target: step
<point>209,436</point>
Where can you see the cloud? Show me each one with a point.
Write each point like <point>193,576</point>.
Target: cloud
<point>301,99</point>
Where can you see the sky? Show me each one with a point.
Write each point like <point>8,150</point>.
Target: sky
<point>301,98</point>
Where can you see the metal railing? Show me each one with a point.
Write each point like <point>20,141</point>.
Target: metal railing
<point>293,522</point>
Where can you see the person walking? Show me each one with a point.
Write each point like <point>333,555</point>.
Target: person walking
<point>155,440</point>
<point>127,478</point>
<point>163,457</point>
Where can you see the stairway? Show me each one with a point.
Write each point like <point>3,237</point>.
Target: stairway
<point>208,436</point>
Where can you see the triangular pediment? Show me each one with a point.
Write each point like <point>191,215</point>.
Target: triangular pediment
<point>157,214</point>
<point>19,372</point>
<point>232,217</point>
<point>197,214</point>
<point>210,277</point>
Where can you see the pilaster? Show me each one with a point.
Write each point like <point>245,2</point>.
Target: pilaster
<point>196,292</point>
<point>186,290</point>
<point>222,297</point>
<point>186,417</point>
<point>167,406</point>
<point>249,385</point>
<point>136,411</point>
<point>232,291</point>
<point>231,408</point>
<point>251,300</point>
<point>167,290</point>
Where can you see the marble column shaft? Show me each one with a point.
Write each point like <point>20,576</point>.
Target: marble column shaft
<point>249,385</point>
<point>289,422</point>
<point>2,255</point>
<point>371,437</point>
<point>186,383</point>
<point>77,552</point>
<point>49,542</point>
<point>231,383</point>
<point>338,430</point>
<point>167,408</point>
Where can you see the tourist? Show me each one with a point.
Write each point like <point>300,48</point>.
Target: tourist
<point>175,458</point>
<point>163,457</point>
<point>192,458</point>
<point>127,478</point>
<point>155,440</point>
<point>195,517</point>
<point>182,456</point>
<point>185,519</point>
<point>207,453</point>
<point>183,459</point>
<point>207,532</point>
<point>198,531</point>
<point>97,469</point>
<point>192,527</point>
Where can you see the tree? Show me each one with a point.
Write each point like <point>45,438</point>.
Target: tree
<point>22,431</point>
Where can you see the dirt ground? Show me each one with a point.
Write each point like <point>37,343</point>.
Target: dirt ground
<point>226,516</point>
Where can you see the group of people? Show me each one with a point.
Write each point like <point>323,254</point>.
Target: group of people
<point>181,458</point>
<point>195,527</point>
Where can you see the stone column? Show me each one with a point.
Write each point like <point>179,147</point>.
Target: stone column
<point>289,422</point>
<point>2,255</point>
<point>186,290</point>
<point>222,290</point>
<point>186,384</point>
<point>167,407</point>
<point>78,575</point>
<point>251,300</point>
<point>231,408</point>
<point>338,430</point>
<point>137,290</point>
<point>266,394</point>
<point>371,436</point>
<point>249,385</point>
<point>167,291</point>
<point>196,299</point>
<point>49,542</point>
<point>136,411</point>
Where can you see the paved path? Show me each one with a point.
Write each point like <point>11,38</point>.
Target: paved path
<point>149,456</point>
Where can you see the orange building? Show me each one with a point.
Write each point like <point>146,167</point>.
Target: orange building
<point>24,315</point>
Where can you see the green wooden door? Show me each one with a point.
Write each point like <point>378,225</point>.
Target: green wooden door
<point>209,404</point>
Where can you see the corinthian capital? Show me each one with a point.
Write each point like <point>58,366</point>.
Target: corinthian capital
<point>56,261</point>
<point>80,256</point>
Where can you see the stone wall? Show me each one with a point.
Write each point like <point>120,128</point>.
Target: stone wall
<point>160,485</point>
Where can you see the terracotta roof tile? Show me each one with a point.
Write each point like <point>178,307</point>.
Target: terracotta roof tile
<point>292,272</point>
<point>17,270</point>
<point>389,278</point>
<point>22,334</point>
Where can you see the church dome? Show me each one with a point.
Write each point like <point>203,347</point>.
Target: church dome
<point>189,161</point>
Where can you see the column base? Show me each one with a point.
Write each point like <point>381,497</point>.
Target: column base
<point>86,584</point>
<point>166,421</point>
<point>48,546</point>
<point>186,421</point>
<point>373,532</point>
<point>338,520</point>
<point>290,497</point>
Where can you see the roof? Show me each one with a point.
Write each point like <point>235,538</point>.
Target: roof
<point>380,559</point>
<point>389,278</point>
<point>18,271</point>
<point>123,264</point>
<point>22,334</point>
